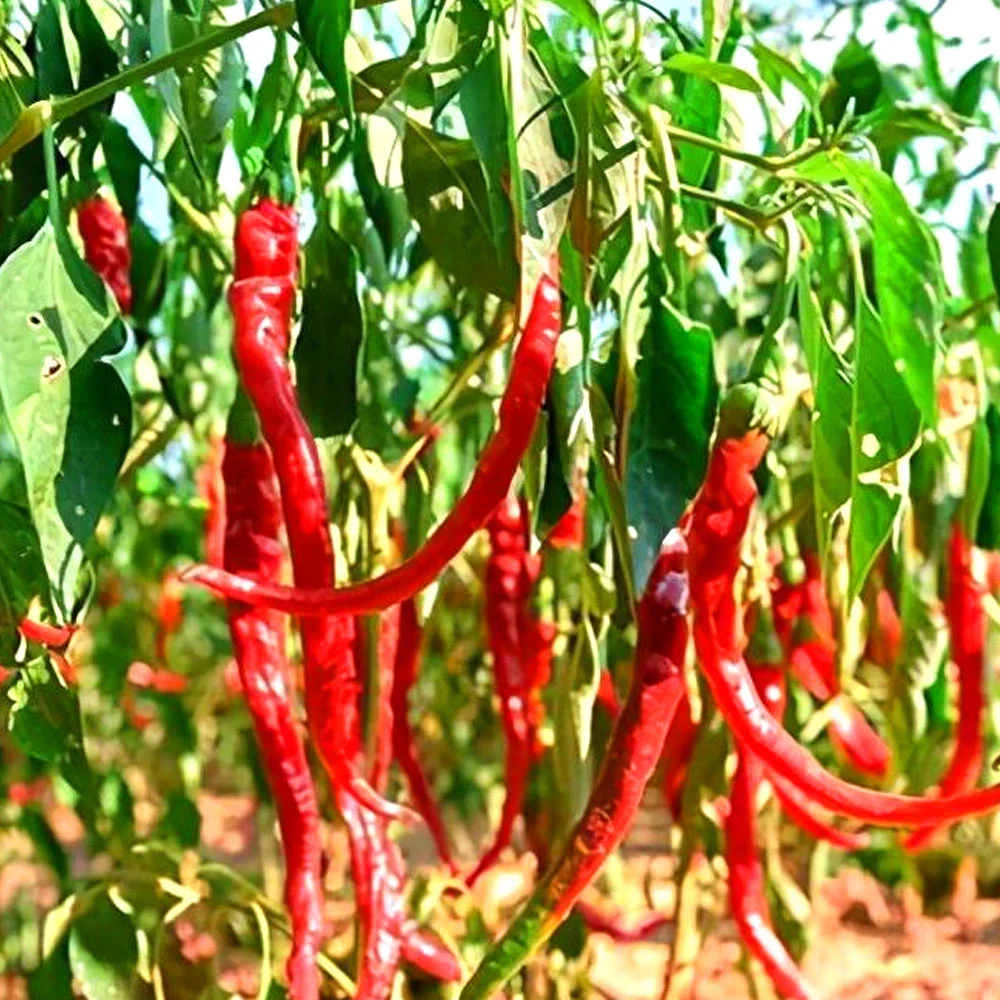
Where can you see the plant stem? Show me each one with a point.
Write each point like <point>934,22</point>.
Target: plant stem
<point>281,16</point>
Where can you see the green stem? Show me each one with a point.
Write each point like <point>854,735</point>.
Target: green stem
<point>52,177</point>
<point>281,16</point>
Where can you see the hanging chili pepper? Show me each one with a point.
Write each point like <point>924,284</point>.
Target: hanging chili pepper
<point>746,885</point>
<point>169,612</point>
<point>966,617</point>
<point>106,248</point>
<point>657,687</point>
<point>617,928</point>
<point>529,376</point>
<point>210,488</point>
<point>506,593</point>
<point>607,697</point>
<point>715,524</point>
<point>387,653</point>
<point>569,531</point>
<point>252,547</point>
<point>261,300</point>
<point>53,636</point>
<point>885,636</point>
<point>403,744</point>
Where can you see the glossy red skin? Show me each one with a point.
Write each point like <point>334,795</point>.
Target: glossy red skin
<point>252,547</point>
<point>885,638</point>
<point>507,591</point>
<point>856,741</point>
<point>620,930</point>
<point>529,377</point>
<point>387,652</point>
<point>569,531</point>
<point>106,246</point>
<point>210,489</point>
<point>53,636</point>
<point>716,524</point>
<point>747,899</point>
<point>677,756</point>
<point>261,300</point>
<point>636,744</point>
<point>966,616</point>
<point>403,743</point>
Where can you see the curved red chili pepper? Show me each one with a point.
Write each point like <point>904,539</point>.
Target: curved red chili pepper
<point>569,531</point>
<point>746,885</point>
<point>967,629</point>
<point>716,524</point>
<point>676,756</point>
<point>252,547</point>
<point>53,636</point>
<point>387,652</point>
<point>529,377</point>
<point>404,748</point>
<point>621,931</point>
<point>429,954</point>
<point>770,684</point>
<point>855,741</point>
<point>657,687</point>
<point>210,488</point>
<point>261,300</point>
<point>506,595</point>
<point>106,246</point>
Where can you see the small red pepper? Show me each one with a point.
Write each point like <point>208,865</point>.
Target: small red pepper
<point>106,246</point>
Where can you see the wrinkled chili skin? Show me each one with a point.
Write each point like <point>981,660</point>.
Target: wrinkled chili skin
<point>657,686</point>
<point>261,299</point>
<point>403,742</point>
<point>529,376</point>
<point>747,899</point>
<point>251,546</point>
<point>106,246</point>
<point>507,590</point>
<point>966,616</point>
<point>715,525</point>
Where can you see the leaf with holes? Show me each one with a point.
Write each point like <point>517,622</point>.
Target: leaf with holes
<point>55,311</point>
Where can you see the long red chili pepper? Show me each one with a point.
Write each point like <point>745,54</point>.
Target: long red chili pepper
<point>657,687</point>
<point>716,524</point>
<point>252,547</point>
<point>746,885</point>
<point>770,684</point>
<point>403,744</point>
<point>617,927</point>
<point>676,756</point>
<point>507,587</point>
<point>55,636</point>
<point>261,300</point>
<point>529,376</point>
<point>967,628</point>
<point>387,652</point>
<point>210,489</point>
<point>106,247</point>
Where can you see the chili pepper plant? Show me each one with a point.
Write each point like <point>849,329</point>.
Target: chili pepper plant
<point>439,437</point>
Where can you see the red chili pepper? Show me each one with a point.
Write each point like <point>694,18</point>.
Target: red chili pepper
<point>506,594</point>
<point>967,628</point>
<point>169,612</point>
<point>716,524</point>
<point>570,529</point>
<point>676,756</point>
<point>770,684</point>
<point>529,376</point>
<point>617,928</point>
<point>885,637</point>
<point>210,489</point>
<point>607,697</point>
<point>387,652</point>
<point>657,687</point>
<point>106,248</point>
<point>404,748</point>
<point>142,675</point>
<point>746,885</point>
<point>261,300</point>
<point>53,636</point>
<point>855,741</point>
<point>252,547</point>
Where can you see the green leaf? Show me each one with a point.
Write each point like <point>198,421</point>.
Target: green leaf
<point>856,77</point>
<point>719,73</point>
<point>168,82</point>
<point>22,574</point>
<point>969,90</point>
<point>446,194</point>
<point>98,60</point>
<point>585,15</point>
<point>775,67</point>
<point>51,61</point>
<point>988,526</point>
<point>670,432</point>
<point>831,417</point>
<point>927,45</point>
<point>56,310</point>
<point>327,348</point>
<point>124,161</point>
<point>907,280</point>
<point>103,953</point>
<point>993,247</point>
<point>325,27</point>
<point>16,83</point>
<point>885,429</point>
<point>45,723</point>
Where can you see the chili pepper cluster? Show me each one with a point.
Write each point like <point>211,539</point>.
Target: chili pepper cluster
<point>692,599</point>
